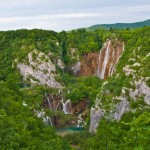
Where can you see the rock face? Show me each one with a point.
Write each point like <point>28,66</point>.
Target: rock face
<point>100,63</point>
<point>80,107</point>
<point>89,64</point>
<point>52,101</point>
<point>40,69</point>
<point>95,116</point>
<point>137,91</point>
<point>115,113</point>
<point>56,102</point>
<point>141,90</point>
<point>120,109</point>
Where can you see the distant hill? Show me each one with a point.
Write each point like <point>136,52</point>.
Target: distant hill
<point>120,25</point>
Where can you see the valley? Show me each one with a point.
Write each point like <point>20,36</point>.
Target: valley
<point>80,89</point>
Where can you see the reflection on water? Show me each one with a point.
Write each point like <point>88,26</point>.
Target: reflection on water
<point>69,130</point>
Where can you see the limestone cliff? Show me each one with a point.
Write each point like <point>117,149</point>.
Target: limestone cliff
<point>89,64</point>
<point>40,69</point>
<point>56,102</point>
<point>128,87</point>
<point>100,63</point>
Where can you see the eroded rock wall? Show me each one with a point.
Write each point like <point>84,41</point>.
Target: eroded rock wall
<point>100,63</point>
<point>39,69</point>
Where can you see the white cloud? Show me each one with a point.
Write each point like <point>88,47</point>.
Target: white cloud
<point>52,16</point>
<point>68,14</point>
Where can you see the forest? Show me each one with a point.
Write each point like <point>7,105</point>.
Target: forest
<point>22,129</point>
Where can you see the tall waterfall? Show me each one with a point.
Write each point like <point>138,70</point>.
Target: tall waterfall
<point>108,57</point>
<point>102,71</point>
<point>67,109</point>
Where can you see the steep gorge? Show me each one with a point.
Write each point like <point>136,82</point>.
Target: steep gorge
<point>101,64</point>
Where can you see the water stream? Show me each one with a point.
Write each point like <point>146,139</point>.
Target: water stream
<point>102,71</point>
<point>48,100</point>
<point>67,106</point>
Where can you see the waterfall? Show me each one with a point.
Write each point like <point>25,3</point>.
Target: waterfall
<point>99,58</point>
<point>24,103</point>
<point>123,46</point>
<point>48,100</point>
<point>39,113</point>
<point>80,122</point>
<point>48,120</point>
<point>119,55</point>
<point>102,72</point>
<point>67,107</point>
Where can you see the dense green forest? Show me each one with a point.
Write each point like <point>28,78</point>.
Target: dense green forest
<point>20,128</point>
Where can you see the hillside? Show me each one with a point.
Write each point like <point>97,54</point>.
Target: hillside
<point>97,80</point>
<point>120,25</point>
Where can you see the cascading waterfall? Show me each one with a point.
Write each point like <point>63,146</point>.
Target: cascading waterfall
<point>123,47</point>
<point>41,114</point>
<point>119,55</point>
<point>102,72</point>
<point>80,122</point>
<point>48,100</point>
<point>51,123</point>
<point>67,107</point>
<point>109,56</point>
<point>46,119</point>
<point>99,58</point>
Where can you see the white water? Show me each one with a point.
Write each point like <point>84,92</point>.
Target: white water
<point>98,72</point>
<point>112,71</point>
<point>102,72</point>
<point>67,107</point>
<point>123,46</point>
<point>111,68</point>
<point>47,119</point>
<point>48,100</point>
<point>80,122</point>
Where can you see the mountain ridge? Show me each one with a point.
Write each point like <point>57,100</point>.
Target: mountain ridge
<point>120,25</point>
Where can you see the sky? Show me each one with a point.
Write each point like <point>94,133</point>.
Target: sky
<point>61,15</point>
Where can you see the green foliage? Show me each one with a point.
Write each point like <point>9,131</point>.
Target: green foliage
<point>78,139</point>
<point>132,132</point>
<point>19,126</point>
<point>84,88</point>
<point>82,41</point>
<point>17,44</point>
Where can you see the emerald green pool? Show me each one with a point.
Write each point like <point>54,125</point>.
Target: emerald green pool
<point>69,130</point>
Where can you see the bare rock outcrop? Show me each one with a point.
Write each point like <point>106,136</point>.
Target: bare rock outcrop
<point>39,69</point>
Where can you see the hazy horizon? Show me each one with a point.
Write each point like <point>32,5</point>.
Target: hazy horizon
<point>61,15</point>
